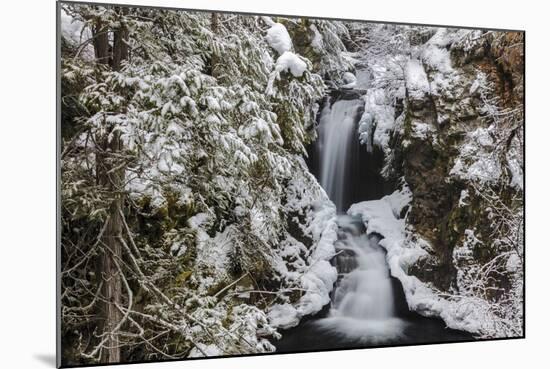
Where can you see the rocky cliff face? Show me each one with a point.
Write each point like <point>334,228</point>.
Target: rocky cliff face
<point>456,139</point>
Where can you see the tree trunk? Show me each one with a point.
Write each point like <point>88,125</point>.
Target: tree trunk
<point>110,175</point>
<point>120,46</point>
<point>101,42</point>
<point>112,253</point>
<point>214,60</point>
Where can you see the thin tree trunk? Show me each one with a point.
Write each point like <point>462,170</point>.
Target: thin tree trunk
<point>112,180</point>
<point>120,46</point>
<point>101,43</point>
<point>112,285</point>
<point>214,60</point>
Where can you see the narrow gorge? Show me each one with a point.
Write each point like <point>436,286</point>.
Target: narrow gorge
<point>368,306</point>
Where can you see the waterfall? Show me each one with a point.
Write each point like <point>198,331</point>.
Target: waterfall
<point>367,307</point>
<point>365,292</point>
<point>363,301</point>
<point>338,131</point>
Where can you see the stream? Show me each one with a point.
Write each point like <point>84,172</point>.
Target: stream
<point>368,306</point>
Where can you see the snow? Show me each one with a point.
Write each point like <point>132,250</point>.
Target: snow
<point>350,81</point>
<point>313,273</point>
<point>416,79</point>
<point>382,217</point>
<point>513,263</point>
<point>379,116</point>
<point>143,187</point>
<point>203,350</point>
<point>319,276</point>
<point>441,38</point>
<point>257,128</point>
<point>290,62</point>
<point>231,330</point>
<point>477,160</point>
<point>422,130</point>
<point>317,41</point>
<point>514,164</point>
<point>283,316</point>
<point>363,78</point>
<point>437,58</point>
<point>268,20</point>
<point>213,253</point>
<point>278,38</point>
<point>75,31</point>
<point>462,200</point>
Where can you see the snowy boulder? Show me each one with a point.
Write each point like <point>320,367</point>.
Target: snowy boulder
<point>350,81</point>
<point>283,316</point>
<point>278,38</point>
<point>290,62</point>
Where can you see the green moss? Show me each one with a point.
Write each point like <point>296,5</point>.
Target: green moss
<point>183,277</point>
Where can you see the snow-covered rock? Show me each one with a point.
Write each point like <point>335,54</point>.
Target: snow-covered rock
<point>350,81</point>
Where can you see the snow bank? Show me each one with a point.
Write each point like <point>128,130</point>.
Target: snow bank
<point>318,276</point>
<point>383,217</point>
<point>313,272</point>
<point>283,316</point>
<point>278,38</point>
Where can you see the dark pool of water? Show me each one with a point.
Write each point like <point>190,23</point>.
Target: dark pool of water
<point>313,335</point>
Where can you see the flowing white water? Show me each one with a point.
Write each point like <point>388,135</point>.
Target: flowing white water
<point>337,128</point>
<point>363,302</point>
<point>366,292</point>
<point>365,310</point>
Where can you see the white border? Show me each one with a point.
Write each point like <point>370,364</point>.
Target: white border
<point>27,155</point>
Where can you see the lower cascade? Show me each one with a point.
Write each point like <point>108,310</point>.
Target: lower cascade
<point>366,292</point>
<point>363,305</point>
